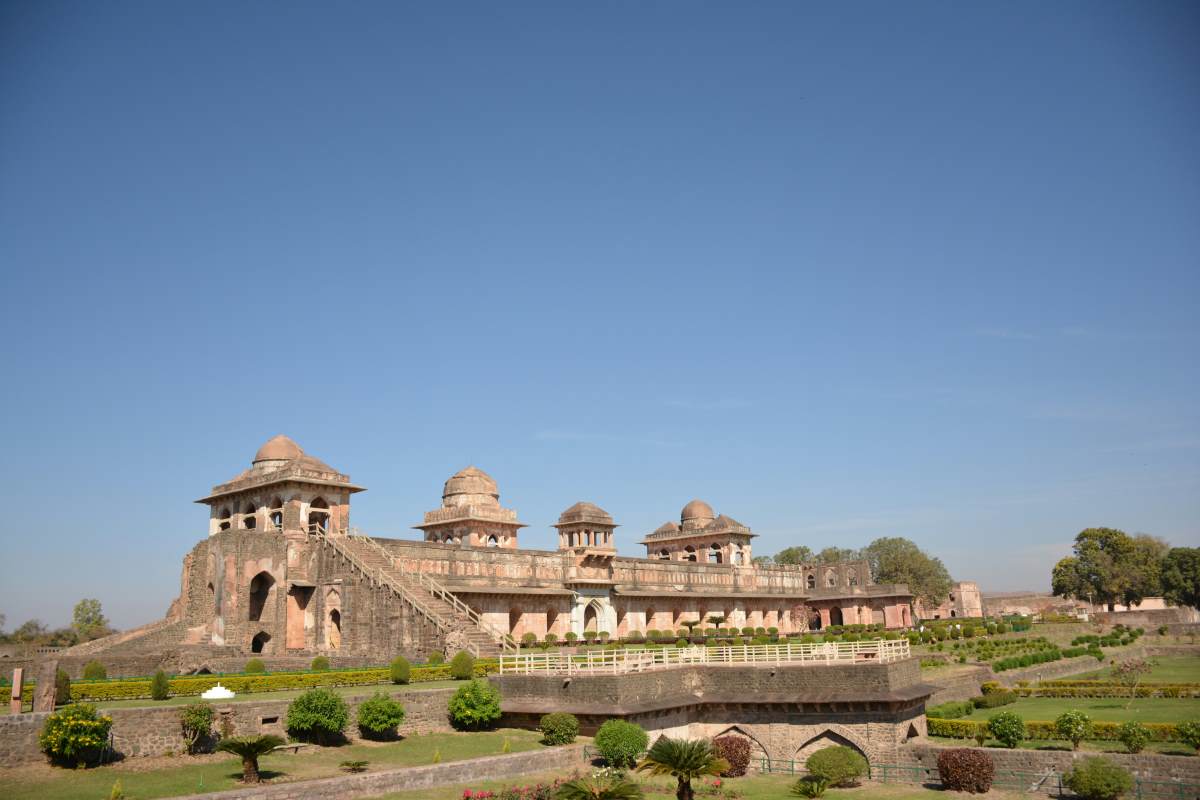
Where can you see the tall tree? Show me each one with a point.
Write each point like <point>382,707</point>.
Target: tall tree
<point>894,559</point>
<point>88,620</point>
<point>794,555</point>
<point>29,632</point>
<point>1181,576</point>
<point>833,555</point>
<point>1108,567</point>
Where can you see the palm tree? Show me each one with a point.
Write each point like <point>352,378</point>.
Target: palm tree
<point>598,788</point>
<point>684,759</point>
<point>249,748</point>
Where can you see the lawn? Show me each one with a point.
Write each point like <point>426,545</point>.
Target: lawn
<point>288,694</point>
<point>1163,748</point>
<point>1167,669</point>
<point>215,773</point>
<point>1101,709</point>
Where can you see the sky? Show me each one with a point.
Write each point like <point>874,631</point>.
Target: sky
<point>842,270</point>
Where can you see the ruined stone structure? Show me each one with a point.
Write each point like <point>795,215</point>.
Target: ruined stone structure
<point>283,574</point>
<point>963,601</point>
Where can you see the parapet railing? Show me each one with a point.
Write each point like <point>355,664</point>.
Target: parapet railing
<point>620,662</point>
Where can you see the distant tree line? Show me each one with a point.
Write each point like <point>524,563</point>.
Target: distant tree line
<point>892,559</point>
<point>1108,566</point>
<point>87,622</point>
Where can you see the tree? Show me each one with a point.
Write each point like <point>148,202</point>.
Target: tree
<point>834,555</point>
<point>318,713</point>
<point>1109,567</point>
<point>1074,726</point>
<point>195,722</point>
<point>894,559</point>
<point>88,620</point>
<point>1130,673</point>
<point>794,555</point>
<point>30,632</point>
<point>683,759</point>
<point>160,686</point>
<point>249,748</point>
<point>1181,576</point>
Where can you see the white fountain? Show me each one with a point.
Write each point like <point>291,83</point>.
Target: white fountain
<point>217,692</point>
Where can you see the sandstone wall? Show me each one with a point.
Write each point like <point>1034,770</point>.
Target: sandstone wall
<point>155,730</point>
<point>1148,766</point>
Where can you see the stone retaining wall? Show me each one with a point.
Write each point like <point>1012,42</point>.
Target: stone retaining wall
<point>959,686</point>
<point>154,730</point>
<point>1149,766</point>
<point>373,784</point>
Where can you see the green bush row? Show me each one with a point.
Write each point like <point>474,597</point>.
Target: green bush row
<point>1045,730</point>
<point>1186,690</point>
<point>186,685</point>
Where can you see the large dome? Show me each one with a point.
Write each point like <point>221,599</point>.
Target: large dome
<point>278,448</point>
<point>470,487</point>
<point>697,509</point>
<point>585,512</point>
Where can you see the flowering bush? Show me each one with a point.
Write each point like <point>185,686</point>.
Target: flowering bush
<point>76,735</point>
<point>537,791</point>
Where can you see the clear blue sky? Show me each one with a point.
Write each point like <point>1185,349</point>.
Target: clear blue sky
<point>925,269</point>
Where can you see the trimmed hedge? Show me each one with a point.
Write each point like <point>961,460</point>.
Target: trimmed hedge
<point>1070,689</point>
<point>187,685</point>
<point>1045,730</point>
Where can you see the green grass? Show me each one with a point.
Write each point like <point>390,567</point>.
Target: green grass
<point>1167,669</point>
<point>210,776</point>
<point>287,694</point>
<point>1100,709</point>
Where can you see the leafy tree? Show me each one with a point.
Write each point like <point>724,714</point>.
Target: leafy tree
<point>794,555</point>
<point>1189,734</point>
<point>88,620</point>
<point>834,555</point>
<point>1130,673</point>
<point>160,686</point>
<point>30,632</point>
<point>1134,735</point>
<point>1109,567</point>
<point>379,716</point>
<point>762,561</point>
<point>683,759</point>
<point>1008,728</point>
<point>249,748</point>
<point>599,787</point>
<point>318,713</point>
<point>1074,726</point>
<point>894,559</point>
<point>475,706</point>
<point>195,721</point>
<point>1181,576</point>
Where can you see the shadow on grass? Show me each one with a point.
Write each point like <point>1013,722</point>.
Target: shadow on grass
<point>263,774</point>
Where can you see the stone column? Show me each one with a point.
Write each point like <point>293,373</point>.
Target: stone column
<point>18,686</point>
<point>43,693</point>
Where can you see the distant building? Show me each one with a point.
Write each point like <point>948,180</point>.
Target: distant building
<point>963,601</point>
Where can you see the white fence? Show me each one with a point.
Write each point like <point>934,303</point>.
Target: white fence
<point>619,662</point>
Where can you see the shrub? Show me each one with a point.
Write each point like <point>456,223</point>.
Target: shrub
<point>160,687</point>
<point>1003,697</point>
<point>254,666</point>
<point>735,750</point>
<point>434,659</point>
<point>379,716</point>
<point>621,743</point>
<point>1189,733</point>
<point>551,639</point>
<point>94,671</point>
<point>810,787</point>
<point>475,706</point>
<point>62,688</point>
<point>681,642</point>
<point>989,687</point>
<point>839,765</point>
<point>1074,726</point>
<point>462,666</point>
<point>951,710</point>
<point>401,670</point>
<point>195,722</point>
<point>1134,736</point>
<point>558,728</point>
<point>572,637</point>
<point>747,631</point>
<point>966,770</point>
<point>1098,778</point>
<point>318,714</point>
<point>320,664</point>
<point>1007,728</point>
<point>75,735</point>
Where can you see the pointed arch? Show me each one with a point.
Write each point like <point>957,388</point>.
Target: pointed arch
<point>758,753</point>
<point>831,736</point>
<point>261,586</point>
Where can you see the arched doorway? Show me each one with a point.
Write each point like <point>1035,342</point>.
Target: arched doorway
<point>259,643</point>
<point>514,622</point>
<point>829,738</point>
<point>591,618</point>
<point>334,632</point>
<point>318,515</point>
<point>260,591</point>
<point>835,616</point>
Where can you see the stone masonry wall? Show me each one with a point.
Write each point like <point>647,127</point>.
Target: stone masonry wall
<point>1148,766</point>
<point>959,685</point>
<point>155,730</point>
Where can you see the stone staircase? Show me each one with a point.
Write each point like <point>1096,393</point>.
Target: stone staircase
<point>462,625</point>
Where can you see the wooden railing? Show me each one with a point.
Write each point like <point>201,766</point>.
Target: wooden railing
<point>619,662</point>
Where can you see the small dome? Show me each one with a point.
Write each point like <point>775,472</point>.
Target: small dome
<point>470,486</point>
<point>585,511</point>
<point>697,509</point>
<point>278,448</point>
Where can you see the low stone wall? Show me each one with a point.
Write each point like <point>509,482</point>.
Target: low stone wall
<point>1149,766</point>
<point>154,730</point>
<point>1054,669</point>
<point>373,784</point>
<point>960,685</point>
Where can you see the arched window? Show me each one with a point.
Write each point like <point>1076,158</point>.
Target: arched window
<point>224,520</point>
<point>714,554</point>
<point>276,513</point>
<point>259,643</point>
<point>830,578</point>
<point>334,634</point>
<point>811,580</point>
<point>664,555</point>
<point>318,516</point>
<point>249,517</point>
<point>852,577</point>
<point>737,556</point>
<point>260,591</point>
<point>492,541</point>
<point>689,553</point>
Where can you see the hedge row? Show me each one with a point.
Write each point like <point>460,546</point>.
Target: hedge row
<point>1044,730</point>
<point>186,685</point>
<point>1186,690</point>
